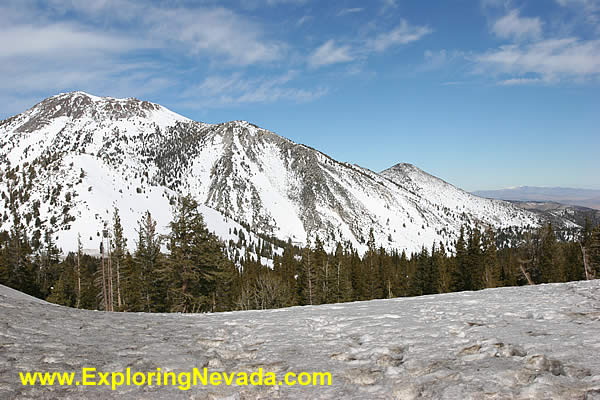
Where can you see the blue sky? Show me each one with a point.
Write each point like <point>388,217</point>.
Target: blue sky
<point>484,94</point>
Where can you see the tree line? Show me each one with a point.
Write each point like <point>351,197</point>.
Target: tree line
<point>196,274</point>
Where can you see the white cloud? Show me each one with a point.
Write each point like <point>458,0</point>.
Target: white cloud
<point>512,25</point>
<point>331,53</point>
<point>586,4</point>
<point>204,31</point>
<point>218,91</point>
<point>588,10</point>
<point>387,4</point>
<point>345,11</point>
<point>550,59</point>
<point>519,81</point>
<point>214,32</point>
<point>276,2</point>
<point>402,34</point>
<point>126,48</point>
<point>255,4</point>
<point>328,53</point>
<point>440,58</point>
<point>62,40</point>
<point>304,19</point>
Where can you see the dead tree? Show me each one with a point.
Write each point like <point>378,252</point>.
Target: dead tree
<point>78,271</point>
<point>526,274</point>
<point>104,297</point>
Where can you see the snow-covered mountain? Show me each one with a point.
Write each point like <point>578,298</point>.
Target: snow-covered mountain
<point>69,160</point>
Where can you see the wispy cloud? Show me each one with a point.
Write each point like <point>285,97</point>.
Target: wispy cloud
<point>387,4</point>
<point>332,53</point>
<point>62,40</point>
<point>550,59</point>
<point>124,48</point>
<point>514,26</point>
<point>218,91</point>
<point>404,33</point>
<point>588,10</point>
<point>588,5</point>
<point>440,58</point>
<point>215,31</point>
<point>519,81</point>
<point>254,4</point>
<point>206,31</point>
<point>345,11</point>
<point>329,53</point>
<point>304,19</point>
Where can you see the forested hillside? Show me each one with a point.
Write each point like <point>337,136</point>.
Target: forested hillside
<point>191,270</point>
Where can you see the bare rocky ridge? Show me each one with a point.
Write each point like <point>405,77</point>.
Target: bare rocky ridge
<point>536,342</point>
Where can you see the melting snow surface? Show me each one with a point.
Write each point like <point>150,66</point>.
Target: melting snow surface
<point>537,342</point>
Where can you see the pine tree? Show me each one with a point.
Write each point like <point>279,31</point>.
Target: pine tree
<point>594,252</point>
<point>491,269</point>
<point>64,290</point>
<point>196,260</point>
<point>402,282</point>
<point>4,266</point>
<point>307,278</point>
<point>48,271</point>
<point>446,271</point>
<point>287,268</point>
<point>119,243</point>
<point>572,261</point>
<point>475,261</point>
<point>228,287</point>
<point>358,276</point>
<point>372,270</point>
<point>462,277</point>
<point>148,260</point>
<point>547,259</point>
<point>324,287</point>
<point>78,270</point>
<point>342,285</point>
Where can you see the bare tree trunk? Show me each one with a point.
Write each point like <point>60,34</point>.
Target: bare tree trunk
<point>586,261</point>
<point>78,272</point>
<point>338,291</point>
<point>119,302</point>
<point>310,278</point>
<point>309,288</point>
<point>104,281</point>
<point>524,271</point>
<point>110,277</point>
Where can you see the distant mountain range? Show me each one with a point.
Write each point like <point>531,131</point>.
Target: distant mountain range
<point>577,197</point>
<point>67,162</point>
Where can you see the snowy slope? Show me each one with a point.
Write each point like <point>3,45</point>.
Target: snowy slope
<point>438,192</point>
<point>537,342</point>
<point>74,157</point>
<point>85,154</point>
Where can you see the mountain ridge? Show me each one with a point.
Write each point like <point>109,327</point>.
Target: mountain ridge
<point>136,155</point>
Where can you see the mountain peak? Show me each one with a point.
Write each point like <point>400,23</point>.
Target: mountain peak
<point>403,166</point>
<point>82,106</point>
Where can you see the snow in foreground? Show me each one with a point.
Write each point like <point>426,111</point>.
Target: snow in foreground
<point>510,343</point>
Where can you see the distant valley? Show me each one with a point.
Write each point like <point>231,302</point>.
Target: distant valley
<point>589,198</point>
